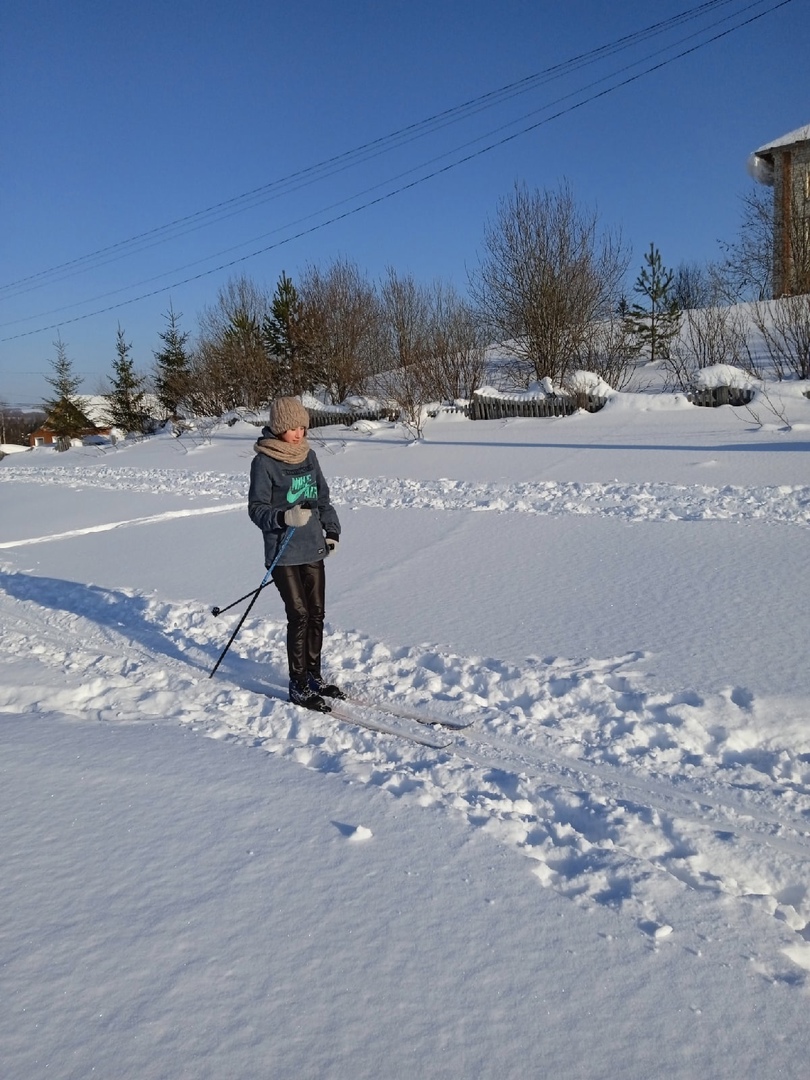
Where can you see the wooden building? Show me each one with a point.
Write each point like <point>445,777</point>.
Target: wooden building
<point>784,165</point>
<point>79,423</point>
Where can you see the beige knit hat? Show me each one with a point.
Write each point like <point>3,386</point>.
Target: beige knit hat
<point>287,414</point>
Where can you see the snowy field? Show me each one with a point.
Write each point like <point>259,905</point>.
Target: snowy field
<point>607,874</point>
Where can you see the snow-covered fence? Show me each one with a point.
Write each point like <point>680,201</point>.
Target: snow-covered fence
<point>347,417</point>
<point>499,408</point>
<point>712,396</point>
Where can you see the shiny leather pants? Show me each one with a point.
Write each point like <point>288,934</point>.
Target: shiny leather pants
<point>303,590</point>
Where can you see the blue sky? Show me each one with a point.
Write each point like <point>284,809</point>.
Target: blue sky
<point>119,119</point>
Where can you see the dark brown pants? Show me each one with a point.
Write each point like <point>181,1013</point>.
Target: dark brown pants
<point>303,590</point>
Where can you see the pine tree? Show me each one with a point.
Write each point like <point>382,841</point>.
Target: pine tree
<point>285,337</point>
<point>655,320</point>
<point>126,398</point>
<point>172,366</point>
<point>64,410</point>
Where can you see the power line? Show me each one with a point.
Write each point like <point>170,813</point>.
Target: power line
<point>375,187</point>
<point>422,179</point>
<point>293,182</point>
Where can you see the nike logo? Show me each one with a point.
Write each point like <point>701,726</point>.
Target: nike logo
<point>302,487</point>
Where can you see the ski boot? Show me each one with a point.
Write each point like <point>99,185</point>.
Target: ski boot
<point>302,694</point>
<point>324,689</point>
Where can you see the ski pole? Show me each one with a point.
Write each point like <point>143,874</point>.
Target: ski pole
<point>265,581</point>
<point>221,610</point>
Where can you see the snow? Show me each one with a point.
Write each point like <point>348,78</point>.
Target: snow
<point>607,874</point>
<point>586,382</point>
<point>715,375</point>
<point>760,163</point>
<point>801,134</point>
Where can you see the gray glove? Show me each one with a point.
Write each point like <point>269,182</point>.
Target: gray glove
<point>297,517</point>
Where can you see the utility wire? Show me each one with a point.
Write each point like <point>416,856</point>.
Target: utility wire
<point>312,174</point>
<point>375,187</point>
<point>414,183</point>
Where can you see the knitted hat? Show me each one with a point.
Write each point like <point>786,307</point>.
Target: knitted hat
<point>287,414</point>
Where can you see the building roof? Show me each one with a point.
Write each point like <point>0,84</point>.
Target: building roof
<point>801,134</point>
<point>96,407</point>
<point>761,164</point>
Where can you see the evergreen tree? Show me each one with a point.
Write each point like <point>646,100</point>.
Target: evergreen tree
<point>654,320</point>
<point>285,337</point>
<point>626,324</point>
<point>172,365</point>
<point>63,409</point>
<point>126,408</point>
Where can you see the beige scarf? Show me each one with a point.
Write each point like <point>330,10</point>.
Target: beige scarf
<point>289,453</point>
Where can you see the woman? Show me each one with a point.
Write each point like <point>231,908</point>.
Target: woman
<point>288,492</point>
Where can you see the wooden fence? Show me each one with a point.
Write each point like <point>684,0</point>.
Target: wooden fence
<point>497,408</point>
<point>480,408</point>
<point>721,395</point>
<point>325,417</point>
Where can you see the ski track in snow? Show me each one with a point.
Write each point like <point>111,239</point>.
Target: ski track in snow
<point>783,504</point>
<point>618,796</point>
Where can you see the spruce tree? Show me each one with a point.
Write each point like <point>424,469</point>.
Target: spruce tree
<point>654,320</point>
<point>126,398</point>
<point>64,410</point>
<point>285,337</point>
<point>172,366</point>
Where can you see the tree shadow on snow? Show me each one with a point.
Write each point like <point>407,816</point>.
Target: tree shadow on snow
<point>125,616</point>
<point>128,620</point>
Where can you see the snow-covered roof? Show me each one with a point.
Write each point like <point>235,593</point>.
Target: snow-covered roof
<point>760,162</point>
<point>801,134</point>
<point>94,407</point>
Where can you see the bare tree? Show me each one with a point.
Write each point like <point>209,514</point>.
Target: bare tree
<point>693,286</point>
<point>545,276</point>
<point>710,336</point>
<point>610,351</point>
<point>784,325</point>
<point>344,320</point>
<point>406,320</point>
<point>229,365</point>
<point>456,347</point>
<point>434,344</point>
<point>745,271</point>
<point>216,380</point>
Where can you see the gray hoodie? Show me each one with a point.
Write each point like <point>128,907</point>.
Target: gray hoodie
<point>275,487</point>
